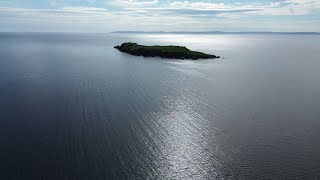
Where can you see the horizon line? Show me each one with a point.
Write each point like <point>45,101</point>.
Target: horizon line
<point>172,32</point>
<point>218,32</point>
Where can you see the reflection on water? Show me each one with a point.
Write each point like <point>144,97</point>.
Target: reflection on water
<point>72,107</point>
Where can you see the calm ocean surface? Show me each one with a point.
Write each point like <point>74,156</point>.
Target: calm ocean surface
<point>74,108</point>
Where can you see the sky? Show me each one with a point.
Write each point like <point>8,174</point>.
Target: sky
<point>102,16</point>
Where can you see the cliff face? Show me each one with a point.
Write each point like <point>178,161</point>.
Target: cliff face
<point>171,52</point>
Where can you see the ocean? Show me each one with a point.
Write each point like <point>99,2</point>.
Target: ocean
<point>73,107</point>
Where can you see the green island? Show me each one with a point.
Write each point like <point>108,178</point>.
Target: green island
<point>171,52</point>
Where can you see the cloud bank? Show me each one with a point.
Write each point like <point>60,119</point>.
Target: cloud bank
<point>156,15</point>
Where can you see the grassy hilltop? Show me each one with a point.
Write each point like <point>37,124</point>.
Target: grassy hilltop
<point>172,52</point>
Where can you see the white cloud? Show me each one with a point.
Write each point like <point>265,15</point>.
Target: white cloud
<point>153,15</point>
<point>89,19</point>
<point>56,3</point>
<point>134,3</point>
<point>198,5</point>
<point>293,7</point>
<point>82,9</point>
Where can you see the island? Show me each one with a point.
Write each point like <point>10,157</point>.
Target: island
<point>171,52</point>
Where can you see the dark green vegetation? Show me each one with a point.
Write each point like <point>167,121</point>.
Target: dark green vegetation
<point>172,52</point>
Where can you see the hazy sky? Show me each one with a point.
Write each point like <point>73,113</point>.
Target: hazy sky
<point>159,15</point>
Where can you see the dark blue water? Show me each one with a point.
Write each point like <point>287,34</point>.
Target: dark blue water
<point>72,107</point>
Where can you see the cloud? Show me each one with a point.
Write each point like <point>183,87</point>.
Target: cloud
<point>189,11</point>
<point>56,3</point>
<point>45,13</point>
<point>209,9</point>
<point>134,3</point>
<point>82,9</point>
<point>198,5</point>
<point>291,8</point>
<point>158,15</point>
<point>84,17</point>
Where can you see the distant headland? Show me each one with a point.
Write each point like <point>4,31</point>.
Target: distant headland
<point>171,52</point>
<point>210,32</point>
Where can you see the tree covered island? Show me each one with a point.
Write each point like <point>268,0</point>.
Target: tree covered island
<point>171,52</point>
